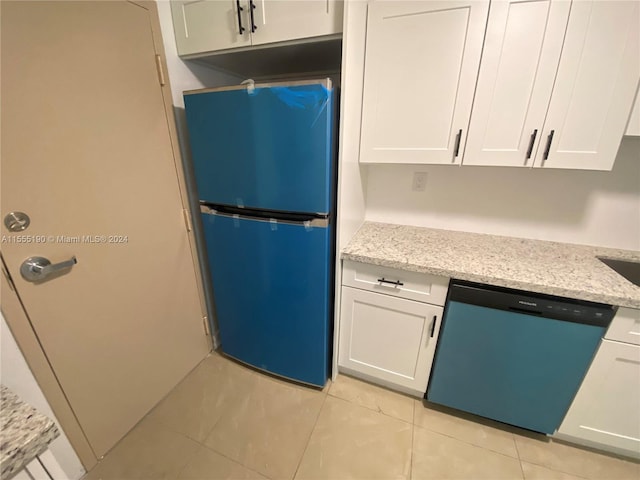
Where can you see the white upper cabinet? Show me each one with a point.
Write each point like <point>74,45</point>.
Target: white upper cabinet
<point>520,58</point>
<point>421,68</point>
<point>280,20</point>
<point>554,87</point>
<point>594,88</point>
<point>213,25</point>
<point>205,25</point>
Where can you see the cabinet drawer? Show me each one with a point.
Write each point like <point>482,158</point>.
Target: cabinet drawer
<point>400,283</point>
<point>625,326</point>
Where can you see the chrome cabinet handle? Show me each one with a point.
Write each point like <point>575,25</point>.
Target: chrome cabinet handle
<point>37,269</point>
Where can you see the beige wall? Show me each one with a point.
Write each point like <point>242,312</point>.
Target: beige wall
<point>186,75</point>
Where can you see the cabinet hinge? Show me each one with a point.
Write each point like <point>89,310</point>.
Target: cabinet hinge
<point>7,275</point>
<point>160,70</point>
<point>187,219</point>
<point>205,324</point>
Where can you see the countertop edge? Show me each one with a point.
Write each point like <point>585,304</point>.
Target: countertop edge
<point>510,281</point>
<point>26,433</point>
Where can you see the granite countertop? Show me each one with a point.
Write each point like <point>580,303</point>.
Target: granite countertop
<point>24,433</point>
<point>554,268</point>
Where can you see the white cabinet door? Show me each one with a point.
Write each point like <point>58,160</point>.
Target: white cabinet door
<point>519,63</point>
<point>421,68</point>
<point>606,408</point>
<point>212,25</point>
<point>625,326</point>
<point>205,25</point>
<point>594,88</point>
<point>280,20</point>
<point>388,338</point>
<point>633,128</point>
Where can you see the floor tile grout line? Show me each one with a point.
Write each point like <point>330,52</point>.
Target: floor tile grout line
<point>468,443</point>
<point>517,457</point>
<point>413,433</point>
<point>258,375</point>
<point>324,401</point>
<point>149,415</point>
<point>192,457</point>
<point>410,423</point>
<point>513,437</point>
<point>555,469</point>
<point>373,409</point>
<point>170,428</point>
<point>211,449</point>
<point>236,461</point>
<point>561,470</point>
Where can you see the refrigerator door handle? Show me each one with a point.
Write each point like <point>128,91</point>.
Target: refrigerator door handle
<point>319,222</point>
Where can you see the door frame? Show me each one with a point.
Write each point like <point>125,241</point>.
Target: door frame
<point>17,316</point>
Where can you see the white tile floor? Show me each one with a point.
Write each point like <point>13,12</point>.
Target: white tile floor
<point>226,421</point>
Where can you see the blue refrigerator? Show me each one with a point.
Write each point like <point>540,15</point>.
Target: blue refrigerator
<point>263,157</point>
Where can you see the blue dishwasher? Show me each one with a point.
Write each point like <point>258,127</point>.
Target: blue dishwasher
<point>513,356</point>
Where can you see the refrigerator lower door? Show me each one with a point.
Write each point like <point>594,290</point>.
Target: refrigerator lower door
<point>271,288</point>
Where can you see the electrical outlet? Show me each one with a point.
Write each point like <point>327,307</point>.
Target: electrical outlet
<point>419,181</point>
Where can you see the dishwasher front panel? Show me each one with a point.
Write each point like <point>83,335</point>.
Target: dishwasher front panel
<point>513,367</point>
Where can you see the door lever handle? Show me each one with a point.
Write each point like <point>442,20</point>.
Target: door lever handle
<point>37,269</point>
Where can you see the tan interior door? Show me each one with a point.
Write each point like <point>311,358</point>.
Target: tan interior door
<point>87,154</point>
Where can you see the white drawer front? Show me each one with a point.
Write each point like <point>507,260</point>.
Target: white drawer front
<point>401,283</point>
<point>625,326</point>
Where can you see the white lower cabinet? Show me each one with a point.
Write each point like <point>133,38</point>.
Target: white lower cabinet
<point>387,339</point>
<point>606,411</point>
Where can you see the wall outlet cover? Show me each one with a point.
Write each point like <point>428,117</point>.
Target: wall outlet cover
<point>419,182</point>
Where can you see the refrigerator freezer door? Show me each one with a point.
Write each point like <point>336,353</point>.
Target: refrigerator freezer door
<point>271,284</point>
<point>267,148</point>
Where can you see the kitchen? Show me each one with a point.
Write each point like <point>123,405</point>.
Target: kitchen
<point>574,206</point>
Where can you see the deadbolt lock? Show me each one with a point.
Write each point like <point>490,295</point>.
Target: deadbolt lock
<point>16,221</point>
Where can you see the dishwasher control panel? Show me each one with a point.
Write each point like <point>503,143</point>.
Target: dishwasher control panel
<point>531,303</point>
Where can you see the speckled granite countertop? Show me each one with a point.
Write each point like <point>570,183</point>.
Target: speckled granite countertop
<point>546,267</point>
<point>24,433</point>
